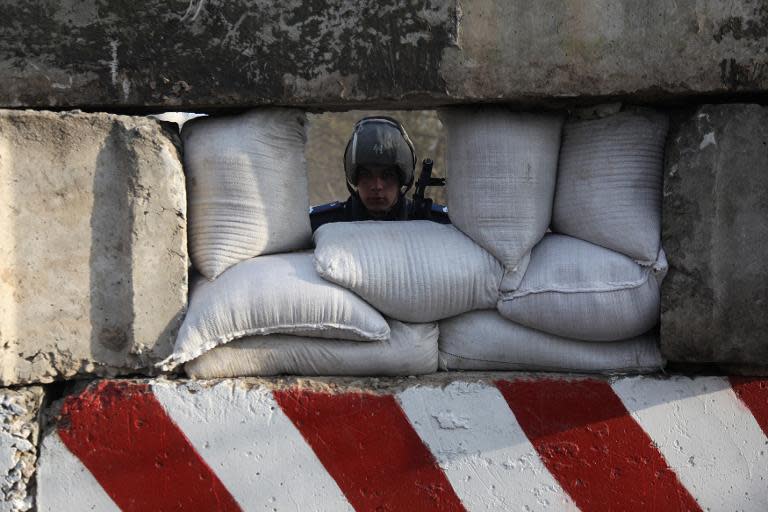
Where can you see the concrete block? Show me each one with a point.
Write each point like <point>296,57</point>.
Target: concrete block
<point>204,54</point>
<point>715,233</point>
<point>522,50</point>
<point>93,261</point>
<point>444,442</point>
<point>19,431</point>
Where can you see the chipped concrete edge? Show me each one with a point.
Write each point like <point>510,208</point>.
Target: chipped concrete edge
<point>20,411</point>
<point>372,385</point>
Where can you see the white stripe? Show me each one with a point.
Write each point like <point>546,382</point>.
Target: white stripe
<point>481,448</point>
<point>707,436</point>
<point>251,445</point>
<point>64,484</point>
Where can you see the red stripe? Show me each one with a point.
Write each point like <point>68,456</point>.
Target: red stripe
<point>754,393</point>
<point>135,451</point>
<point>602,458</point>
<point>368,446</point>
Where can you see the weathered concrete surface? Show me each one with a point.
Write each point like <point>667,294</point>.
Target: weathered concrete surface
<point>220,53</point>
<point>19,430</point>
<point>93,264</point>
<point>715,233</point>
<point>654,48</point>
<point>499,441</point>
<point>203,54</point>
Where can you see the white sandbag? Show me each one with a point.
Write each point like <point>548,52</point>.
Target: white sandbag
<point>246,186</point>
<point>410,350</point>
<point>416,271</point>
<point>279,293</point>
<point>579,290</point>
<point>609,182</point>
<point>484,340</point>
<point>501,169</point>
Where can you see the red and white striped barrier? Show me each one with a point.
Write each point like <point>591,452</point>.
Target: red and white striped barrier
<point>519,443</point>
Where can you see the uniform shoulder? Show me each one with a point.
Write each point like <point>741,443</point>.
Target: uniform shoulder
<point>439,213</point>
<point>439,208</point>
<point>325,213</point>
<point>326,208</point>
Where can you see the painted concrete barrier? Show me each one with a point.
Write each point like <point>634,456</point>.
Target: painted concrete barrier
<point>509,442</point>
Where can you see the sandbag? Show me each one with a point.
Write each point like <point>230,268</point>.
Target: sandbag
<point>609,182</point>
<point>484,340</point>
<point>246,187</point>
<point>501,169</point>
<point>416,271</point>
<point>410,350</point>
<point>576,289</point>
<point>279,293</point>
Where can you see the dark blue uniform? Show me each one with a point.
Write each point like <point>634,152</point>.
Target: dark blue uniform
<point>353,210</point>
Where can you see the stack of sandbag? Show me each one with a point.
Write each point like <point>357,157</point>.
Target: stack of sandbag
<point>260,309</point>
<point>410,350</point>
<point>287,319</point>
<point>484,340</point>
<point>501,169</point>
<point>596,279</point>
<point>417,271</point>
<point>583,298</point>
<point>580,290</point>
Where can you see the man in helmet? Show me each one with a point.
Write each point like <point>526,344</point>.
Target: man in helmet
<point>379,163</point>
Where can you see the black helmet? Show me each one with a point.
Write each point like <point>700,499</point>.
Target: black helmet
<point>379,141</point>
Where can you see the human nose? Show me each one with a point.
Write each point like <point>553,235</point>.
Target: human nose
<point>378,183</point>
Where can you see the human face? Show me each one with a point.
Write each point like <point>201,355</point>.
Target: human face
<point>378,188</point>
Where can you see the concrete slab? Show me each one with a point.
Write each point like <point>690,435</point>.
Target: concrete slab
<point>446,442</point>
<point>93,261</point>
<point>207,54</point>
<point>19,431</point>
<point>715,233</point>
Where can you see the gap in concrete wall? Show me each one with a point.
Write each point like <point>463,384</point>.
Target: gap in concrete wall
<point>328,135</point>
<point>329,132</point>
